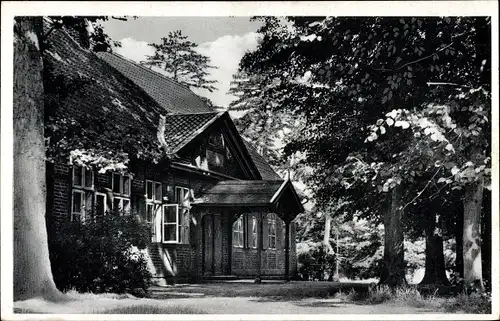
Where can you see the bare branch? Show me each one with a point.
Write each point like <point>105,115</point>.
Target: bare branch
<point>425,187</point>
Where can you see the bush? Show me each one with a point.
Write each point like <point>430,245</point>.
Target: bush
<point>314,263</point>
<point>105,255</point>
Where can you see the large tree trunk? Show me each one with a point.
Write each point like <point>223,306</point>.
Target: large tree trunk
<point>486,239</point>
<point>459,255</point>
<point>473,275</point>
<point>327,274</point>
<point>32,273</point>
<point>393,268</point>
<point>435,270</point>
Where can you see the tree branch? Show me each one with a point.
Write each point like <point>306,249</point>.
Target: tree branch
<point>420,193</point>
<point>422,58</point>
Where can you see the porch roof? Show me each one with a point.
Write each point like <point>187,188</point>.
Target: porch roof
<point>278,195</point>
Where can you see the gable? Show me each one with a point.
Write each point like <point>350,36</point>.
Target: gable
<point>217,146</point>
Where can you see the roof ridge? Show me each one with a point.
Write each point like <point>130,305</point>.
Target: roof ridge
<point>158,74</point>
<point>198,113</point>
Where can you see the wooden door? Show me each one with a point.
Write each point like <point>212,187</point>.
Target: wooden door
<point>212,245</point>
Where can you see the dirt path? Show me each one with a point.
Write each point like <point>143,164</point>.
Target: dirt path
<point>252,305</point>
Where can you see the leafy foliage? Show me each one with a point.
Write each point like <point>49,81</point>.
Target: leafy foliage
<point>177,56</point>
<point>385,101</point>
<point>105,254</point>
<point>90,30</point>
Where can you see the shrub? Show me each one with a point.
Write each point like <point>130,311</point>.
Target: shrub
<point>314,263</point>
<point>104,255</point>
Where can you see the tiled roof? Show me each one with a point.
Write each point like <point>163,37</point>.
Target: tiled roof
<point>105,97</point>
<point>173,96</point>
<point>180,129</point>
<point>240,193</point>
<point>265,170</point>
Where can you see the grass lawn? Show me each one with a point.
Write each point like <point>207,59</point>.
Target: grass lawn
<point>266,298</point>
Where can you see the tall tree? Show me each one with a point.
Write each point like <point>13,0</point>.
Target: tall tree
<point>32,271</point>
<point>178,57</point>
<point>343,74</point>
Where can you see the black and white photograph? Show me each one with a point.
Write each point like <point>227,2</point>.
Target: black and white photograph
<point>250,160</point>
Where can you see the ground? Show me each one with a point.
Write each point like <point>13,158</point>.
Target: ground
<point>234,298</point>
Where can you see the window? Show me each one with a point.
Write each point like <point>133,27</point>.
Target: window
<point>214,158</point>
<point>182,198</point>
<point>83,177</point>
<point>121,184</point>
<point>154,191</point>
<point>253,234</point>
<point>100,204</point>
<point>170,223</point>
<point>238,232</point>
<point>121,204</point>
<point>216,140</point>
<point>81,204</point>
<point>271,223</point>
<point>82,194</point>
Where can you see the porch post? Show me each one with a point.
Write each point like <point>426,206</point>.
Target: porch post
<point>287,250</point>
<point>260,245</point>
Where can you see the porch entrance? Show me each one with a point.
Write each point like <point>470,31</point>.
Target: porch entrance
<point>212,244</point>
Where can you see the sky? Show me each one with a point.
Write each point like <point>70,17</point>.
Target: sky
<point>223,39</point>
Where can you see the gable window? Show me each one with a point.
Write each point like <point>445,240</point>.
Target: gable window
<point>215,150</point>
<point>81,193</point>
<point>271,223</point>
<point>253,234</point>
<point>182,198</point>
<point>238,232</point>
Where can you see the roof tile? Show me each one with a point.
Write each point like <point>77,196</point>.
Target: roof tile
<point>174,97</point>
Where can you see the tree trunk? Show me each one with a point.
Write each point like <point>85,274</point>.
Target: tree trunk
<point>473,198</point>
<point>393,265</point>
<point>486,239</point>
<point>32,272</point>
<point>327,274</point>
<point>435,271</point>
<point>459,255</point>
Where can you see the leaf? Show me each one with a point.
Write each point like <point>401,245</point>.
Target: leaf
<point>389,121</point>
<point>382,130</point>
<point>405,124</point>
<point>389,96</point>
<point>441,180</point>
<point>449,147</point>
<point>380,122</point>
<point>455,170</point>
<point>386,90</point>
